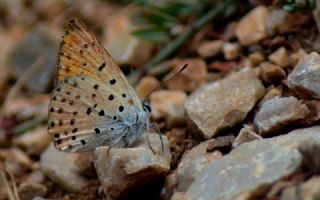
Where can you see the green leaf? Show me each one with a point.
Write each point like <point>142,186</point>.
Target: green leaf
<point>154,35</point>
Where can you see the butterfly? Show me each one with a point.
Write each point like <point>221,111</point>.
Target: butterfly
<point>93,103</point>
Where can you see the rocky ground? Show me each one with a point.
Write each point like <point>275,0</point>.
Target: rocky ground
<point>241,122</point>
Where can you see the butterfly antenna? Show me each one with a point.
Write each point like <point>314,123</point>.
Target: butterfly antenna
<point>165,81</point>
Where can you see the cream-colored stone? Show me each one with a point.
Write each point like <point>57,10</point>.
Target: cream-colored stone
<point>256,58</point>
<point>162,100</point>
<point>210,48</point>
<point>252,27</point>
<point>123,170</point>
<point>60,167</point>
<point>122,45</point>
<point>146,85</point>
<point>35,141</point>
<point>231,50</point>
<point>280,57</point>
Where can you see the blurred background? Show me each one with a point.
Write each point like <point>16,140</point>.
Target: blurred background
<point>150,40</point>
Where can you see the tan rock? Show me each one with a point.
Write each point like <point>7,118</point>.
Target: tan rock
<point>252,27</point>
<point>146,85</point>
<point>220,143</point>
<point>224,103</point>
<point>125,170</point>
<point>163,101</point>
<point>122,45</point>
<point>256,58</point>
<point>194,76</point>
<point>210,48</point>
<point>60,167</point>
<point>231,50</point>
<point>36,177</point>
<point>280,57</point>
<point>271,73</point>
<point>175,116</point>
<point>35,141</point>
<point>28,191</point>
<point>272,92</point>
<point>246,134</point>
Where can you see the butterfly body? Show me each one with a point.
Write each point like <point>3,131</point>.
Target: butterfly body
<point>93,104</point>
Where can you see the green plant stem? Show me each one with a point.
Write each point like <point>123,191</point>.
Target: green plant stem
<point>28,125</point>
<point>180,40</point>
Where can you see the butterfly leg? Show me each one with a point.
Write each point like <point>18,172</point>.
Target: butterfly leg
<point>159,133</point>
<point>118,140</point>
<point>148,139</point>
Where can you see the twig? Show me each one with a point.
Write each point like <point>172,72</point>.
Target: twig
<point>6,185</point>
<point>29,124</point>
<point>14,185</point>
<point>180,40</point>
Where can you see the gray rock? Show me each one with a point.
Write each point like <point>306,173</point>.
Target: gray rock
<point>252,167</point>
<point>305,78</point>
<point>191,163</point>
<point>38,47</point>
<point>124,170</point>
<point>223,104</point>
<point>61,168</point>
<point>279,112</point>
<point>309,190</point>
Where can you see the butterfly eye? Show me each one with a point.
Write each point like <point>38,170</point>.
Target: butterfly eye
<point>146,107</point>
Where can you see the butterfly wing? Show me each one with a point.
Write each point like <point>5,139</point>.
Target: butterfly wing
<point>85,113</point>
<point>92,97</point>
<point>82,54</point>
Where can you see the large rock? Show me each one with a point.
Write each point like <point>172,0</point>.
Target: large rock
<point>305,78</point>
<point>279,112</point>
<point>126,170</point>
<point>40,49</point>
<point>252,27</point>
<point>223,104</point>
<point>62,169</point>
<point>252,168</point>
<point>192,162</point>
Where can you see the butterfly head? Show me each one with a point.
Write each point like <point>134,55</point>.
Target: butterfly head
<point>147,107</point>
